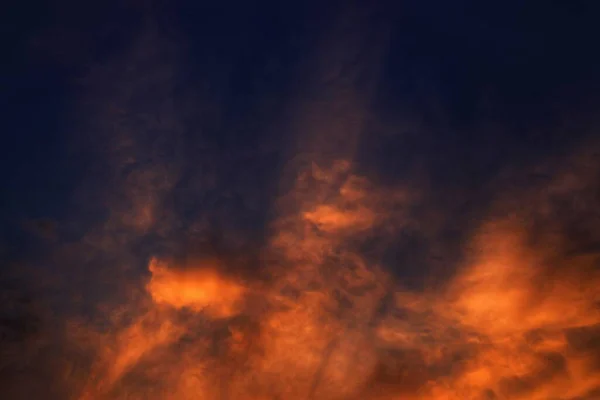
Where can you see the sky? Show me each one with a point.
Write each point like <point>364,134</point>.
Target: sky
<point>228,158</point>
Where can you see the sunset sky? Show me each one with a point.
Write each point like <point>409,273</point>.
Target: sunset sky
<point>300,200</point>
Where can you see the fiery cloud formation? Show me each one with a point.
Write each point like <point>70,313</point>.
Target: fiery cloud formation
<point>322,311</point>
<point>502,329</point>
<point>198,288</point>
<point>331,325</point>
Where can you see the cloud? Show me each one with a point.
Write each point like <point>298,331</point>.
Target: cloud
<point>325,316</point>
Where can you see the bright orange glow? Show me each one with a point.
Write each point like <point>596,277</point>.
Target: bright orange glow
<point>198,288</point>
<point>329,218</point>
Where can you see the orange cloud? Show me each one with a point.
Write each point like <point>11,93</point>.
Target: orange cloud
<point>200,288</point>
<point>328,324</point>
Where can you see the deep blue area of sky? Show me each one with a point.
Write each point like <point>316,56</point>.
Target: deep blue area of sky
<point>535,63</point>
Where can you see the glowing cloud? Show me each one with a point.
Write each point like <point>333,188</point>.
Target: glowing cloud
<point>199,288</point>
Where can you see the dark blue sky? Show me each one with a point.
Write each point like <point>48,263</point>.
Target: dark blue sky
<point>462,91</point>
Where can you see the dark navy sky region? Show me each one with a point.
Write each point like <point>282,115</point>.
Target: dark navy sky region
<point>204,109</point>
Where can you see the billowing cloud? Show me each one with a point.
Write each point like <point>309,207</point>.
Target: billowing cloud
<point>330,325</point>
<point>315,309</point>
